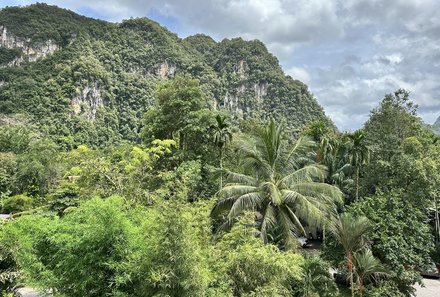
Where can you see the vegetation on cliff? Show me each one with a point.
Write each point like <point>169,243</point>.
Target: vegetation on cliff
<point>135,163</point>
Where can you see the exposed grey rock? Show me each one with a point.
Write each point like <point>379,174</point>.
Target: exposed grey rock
<point>30,53</point>
<point>88,101</point>
<point>4,217</point>
<point>241,68</point>
<point>260,89</point>
<point>26,292</point>
<point>166,70</point>
<point>232,103</point>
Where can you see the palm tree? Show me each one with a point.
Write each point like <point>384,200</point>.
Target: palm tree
<point>358,154</point>
<point>316,278</point>
<point>350,232</point>
<point>222,135</point>
<point>284,193</point>
<point>367,267</point>
<point>324,137</point>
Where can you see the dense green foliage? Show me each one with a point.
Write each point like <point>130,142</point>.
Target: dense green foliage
<point>96,88</point>
<point>281,184</point>
<point>398,193</point>
<point>42,22</point>
<point>7,55</point>
<point>401,238</point>
<point>135,163</point>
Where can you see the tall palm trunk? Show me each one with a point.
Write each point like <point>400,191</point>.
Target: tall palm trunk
<point>437,221</point>
<point>350,271</point>
<point>357,183</point>
<point>221,168</point>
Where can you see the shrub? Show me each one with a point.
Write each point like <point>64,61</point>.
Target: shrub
<point>253,268</point>
<point>177,266</point>
<point>383,289</point>
<point>17,203</point>
<point>83,254</point>
<point>316,280</point>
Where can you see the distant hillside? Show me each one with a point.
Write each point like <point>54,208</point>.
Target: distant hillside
<point>88,81</point>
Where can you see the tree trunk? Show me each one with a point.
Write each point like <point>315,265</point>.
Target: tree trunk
<point>437,221</point>
<point>350,271</point>
<point>181,141</point>
<point>357,183</point>
<point>221,168</point>
<point>361,287</point>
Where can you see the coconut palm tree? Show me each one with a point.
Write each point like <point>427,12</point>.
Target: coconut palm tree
<point>358,154</point>
<point>367,267</point>
<point>222,136</point>
<point>350,232</point>
<point>283,188</point>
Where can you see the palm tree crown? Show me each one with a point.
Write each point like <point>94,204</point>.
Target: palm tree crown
<point>282,186</point>
<point>222,135</point>
<point>358,154</point>
<point>222,132</point>
<point>351,232</point>
<point>367,267</point>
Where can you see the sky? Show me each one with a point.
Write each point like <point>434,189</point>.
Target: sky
<point>349,52</point>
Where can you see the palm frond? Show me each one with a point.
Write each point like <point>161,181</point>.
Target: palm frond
<point>329,193</point>
<point>367,267</point>
<point>305,174</point>
<point>283,185</point>
<point>223,205</point>
<point>273,193</point>
<point>301,147</point>
<point>236,190</point>
<point>312,210</point>
<point>286,226</point>
<point>350,231</point>
<point>249,201</point>
<point>296,220</point>
<point>234,177</point>
<point>268,221</point>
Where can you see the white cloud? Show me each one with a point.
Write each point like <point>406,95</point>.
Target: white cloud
<point>299,73</point>
<point>395,58</point>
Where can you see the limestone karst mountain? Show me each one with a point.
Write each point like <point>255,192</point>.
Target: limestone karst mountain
<point>91,81</point>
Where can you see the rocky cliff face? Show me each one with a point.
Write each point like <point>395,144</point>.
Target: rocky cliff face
<point>166,70</point>
<point>87,101</point>
<point>237,99</point>
<point>103,80</point>
<point>29,52</point>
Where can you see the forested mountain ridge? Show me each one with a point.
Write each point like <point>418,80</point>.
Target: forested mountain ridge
<point>88,81</point>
